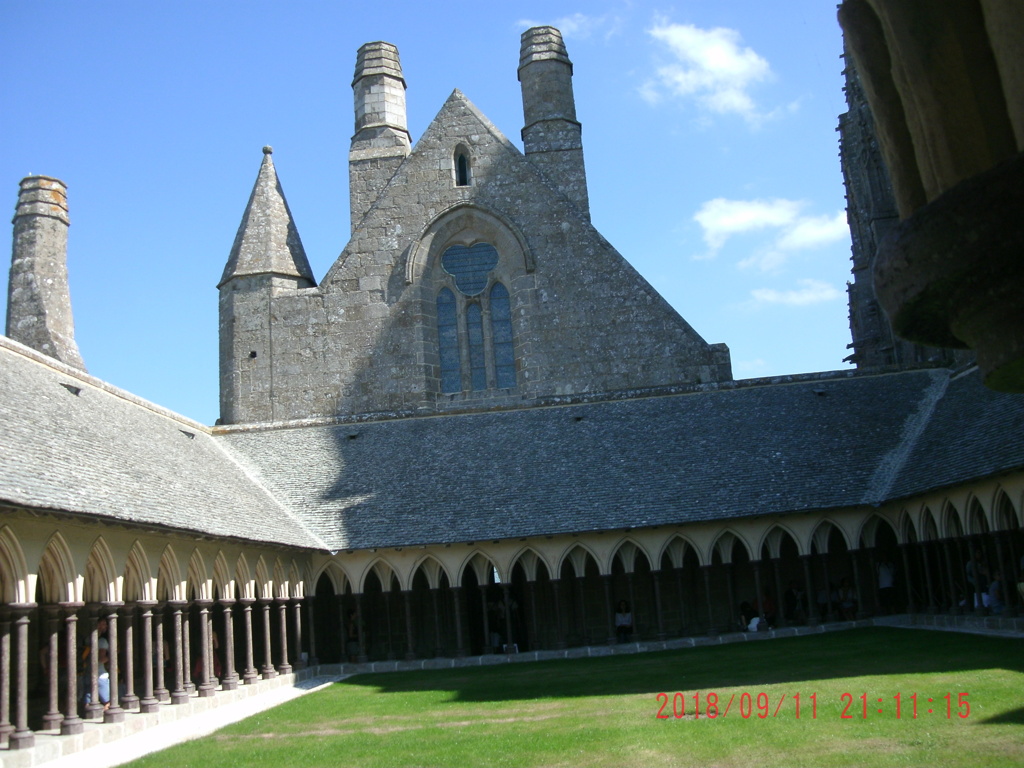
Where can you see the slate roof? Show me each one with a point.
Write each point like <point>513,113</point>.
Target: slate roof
<point>748,450</point>
<point>104,453</point>
<point>671,460</point>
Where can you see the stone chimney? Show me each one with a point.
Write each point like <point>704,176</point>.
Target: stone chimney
<point>38,300</point>
<point>552,136</point>
<point>381,141</point>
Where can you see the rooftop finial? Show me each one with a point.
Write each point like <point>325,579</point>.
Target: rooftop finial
<point>268,150</point>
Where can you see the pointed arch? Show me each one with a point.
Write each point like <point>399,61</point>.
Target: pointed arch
<point>676,548</point>
<point>977,521</point>
<point>432,569</point>
<point>1005,517</point>
<point>929,530</point>
<point>223,583</point>
<point>870,529</point>
<point>483,567</point>
<point>101,582</point>
<point>530,560</point>
<point>773,538</point>
<point>726,541</point>
<point>280,586</point>
<point>577,556</point>
<point>138,580</point>
<point>627,552</point>
<point>383,570</point>
<point>336,575</point>
<point>198,584</point>
<point>448,227</point>
<point>263,587</point>
<point>14,570</point>
<point>295,583</point>
<point>821,533</point>
<point>950,522</point>
<point>169,584</point>
<point>907,529</point>
<point>245,589</point>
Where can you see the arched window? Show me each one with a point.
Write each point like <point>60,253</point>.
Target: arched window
<point>461,170</point>
<point>474,323</point>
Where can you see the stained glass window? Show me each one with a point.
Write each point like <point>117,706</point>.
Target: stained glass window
<point>448,341</point>
<point>501,335</point>
<point>470,265</point>
<point>475,328</point>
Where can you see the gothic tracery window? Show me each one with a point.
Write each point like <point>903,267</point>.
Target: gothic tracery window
<point>474,322</point>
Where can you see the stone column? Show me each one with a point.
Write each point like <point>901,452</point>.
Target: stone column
<point>808,587</point>
<point>583,606</point>
<point>606,579</point>
<point>707,594</point>
<point>6,728</point>
<point>410,652</point>
<point>437,622</point>
<point>207,686</point>
<point>730,574</point>
<point>531,591</point>
<point>857,585</point>
<point>22,738</point>
<point>923,548</point>
<point>559,634</point>
<point>506,598</point>
<point>911,606</point>
<point>284,667</point>
<point>179,695</point>
<point>130,699</point>
<point>267,670</point>
<point>160,691</point>
<point>387,611</point>
<point>460,649</point>
<point>314,660</point>
<point>71,724</point>
<point>186,644</point>
<point>230,680</point>
<point>760,592</point>
<point>52,719</point>
<point>249,674</point>
<point>94,709</point>
<point>656,581</point>
<point>954,606</point>
<point>828,612</point>
<point>148,702</point>
<point>114,713</point>
<point>682,600</point>
<point>296,604</point>
<point>363,657</point>
<point>780,604</point>
<point>487,622</point>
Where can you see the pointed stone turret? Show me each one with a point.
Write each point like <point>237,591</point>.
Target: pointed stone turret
<point>38,299</point>
<point>267,260</point>
<point>552,136</point>
<point>381,141</point>
<point>267,242</point>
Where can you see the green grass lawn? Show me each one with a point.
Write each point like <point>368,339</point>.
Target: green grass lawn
<point>603,712</point>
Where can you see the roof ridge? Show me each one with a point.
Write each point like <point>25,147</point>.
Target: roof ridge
<point>889,468</point>
<point>254,476</point>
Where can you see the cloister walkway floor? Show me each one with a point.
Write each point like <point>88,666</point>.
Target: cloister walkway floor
<point>107,745</point>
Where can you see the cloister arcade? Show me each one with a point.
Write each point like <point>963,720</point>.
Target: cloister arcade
<point>191,615</point>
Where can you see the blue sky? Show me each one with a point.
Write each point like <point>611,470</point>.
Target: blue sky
<point>708,128</point>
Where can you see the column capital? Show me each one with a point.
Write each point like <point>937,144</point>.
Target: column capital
<point>147,603</point>
<point>227,602</point>
<point>203,602</point>
<point>72,605</point>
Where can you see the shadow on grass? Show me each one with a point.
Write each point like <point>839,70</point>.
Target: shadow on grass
<point>851,653</point>
<point>1013,717</point>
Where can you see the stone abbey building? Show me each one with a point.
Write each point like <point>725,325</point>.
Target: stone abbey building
<point>476,434</point>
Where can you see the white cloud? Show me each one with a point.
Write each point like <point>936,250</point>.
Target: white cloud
<point>720,219</point>
<point>810,292</point>
<point>712,67</point>
<point>814,231</point>
<point>580,26</point>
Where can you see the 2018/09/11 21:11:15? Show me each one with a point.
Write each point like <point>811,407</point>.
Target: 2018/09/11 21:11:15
<point>763,705</point>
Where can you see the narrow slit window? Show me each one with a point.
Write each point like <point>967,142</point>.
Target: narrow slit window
<point>461,170</point>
